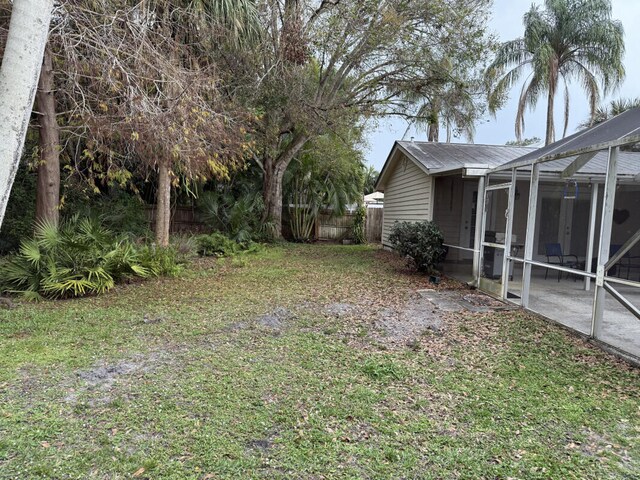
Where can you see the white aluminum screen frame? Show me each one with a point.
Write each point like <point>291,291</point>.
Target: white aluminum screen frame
<point>603,282</point>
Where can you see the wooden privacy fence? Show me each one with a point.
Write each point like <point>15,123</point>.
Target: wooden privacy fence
<point>332,228</point>
<point>374,225</point>
<point>183,219</point>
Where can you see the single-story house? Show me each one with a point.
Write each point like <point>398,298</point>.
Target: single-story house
<point>438,181</point>
<point>541,228</point>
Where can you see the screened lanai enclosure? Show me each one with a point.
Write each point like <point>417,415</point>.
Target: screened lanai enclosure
<point>557,231</point>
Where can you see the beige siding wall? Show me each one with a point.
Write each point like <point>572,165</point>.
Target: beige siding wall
<point>407,196</point>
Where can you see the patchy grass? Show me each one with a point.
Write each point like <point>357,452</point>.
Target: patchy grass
<point>276,368</point>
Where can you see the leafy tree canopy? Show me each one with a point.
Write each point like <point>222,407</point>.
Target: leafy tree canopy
<point>323,64</point>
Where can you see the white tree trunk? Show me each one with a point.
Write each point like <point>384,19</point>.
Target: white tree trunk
<point>21,64</point>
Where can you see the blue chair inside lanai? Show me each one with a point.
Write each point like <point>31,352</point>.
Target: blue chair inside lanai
<point>555,256</point>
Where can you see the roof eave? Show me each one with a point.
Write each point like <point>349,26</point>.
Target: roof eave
<point>467,171</point>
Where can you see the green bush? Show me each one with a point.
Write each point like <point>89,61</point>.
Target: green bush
<point>420,242</point>
<point>219,245</point>
<point>237,214</point>
<point>80,257</point>
<point>20,212</point>
<point>359,233</point>
<point>160,261</point>
<point>120,211</point>
<point>168,261</point>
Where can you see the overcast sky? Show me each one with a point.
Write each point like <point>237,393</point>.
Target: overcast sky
<point>507,24</point>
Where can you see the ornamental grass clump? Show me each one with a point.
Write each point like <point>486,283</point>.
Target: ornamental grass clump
<point>359,225</point>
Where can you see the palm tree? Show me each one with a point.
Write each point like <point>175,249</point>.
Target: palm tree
<point>454,108</point>
<point>370,177</point>
<point>567,40</point>
<point>454,100</point>
<point>615,107</point>
<point>21,62</point>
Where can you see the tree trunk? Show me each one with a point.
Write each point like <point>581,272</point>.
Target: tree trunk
<point>550,137</point>
<point>432,134</point>
<point>272,196</point>
<point>21,64</point>
<point>163,205</point>
<point>433,123</point>
<point>48,190</point>
<point>272,185</point>
<point>553,83</point>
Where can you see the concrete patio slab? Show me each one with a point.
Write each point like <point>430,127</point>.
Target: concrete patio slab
<point>568,303</point>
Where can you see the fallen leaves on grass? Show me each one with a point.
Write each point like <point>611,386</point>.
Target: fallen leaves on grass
<point>138,472</point>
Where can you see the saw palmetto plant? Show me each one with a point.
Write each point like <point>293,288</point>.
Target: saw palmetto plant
<point>78,257</point>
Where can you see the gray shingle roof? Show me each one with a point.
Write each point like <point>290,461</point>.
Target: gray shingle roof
<point>437,158</point>
<point>454,156</point>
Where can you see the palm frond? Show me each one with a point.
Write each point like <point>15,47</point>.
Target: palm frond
<point>30,251</point>
<point>47,234</point>
<point>78,257</point>
<point>529,96</point>
<point>572,40</point>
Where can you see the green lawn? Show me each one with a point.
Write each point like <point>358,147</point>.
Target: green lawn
<point>186,378</point>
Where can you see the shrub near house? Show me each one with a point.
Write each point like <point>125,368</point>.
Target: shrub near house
<point>420,242</point>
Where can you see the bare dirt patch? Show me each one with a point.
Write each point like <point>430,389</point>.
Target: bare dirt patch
<point>340,309</point>
<point>276,320</point>
<point>429,311</point>
<point>260,444</point>
<point>100,380</point>
<point>404,324</point>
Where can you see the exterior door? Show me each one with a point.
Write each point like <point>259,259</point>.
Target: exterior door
<point>469,212</point>
<point>493,259</point>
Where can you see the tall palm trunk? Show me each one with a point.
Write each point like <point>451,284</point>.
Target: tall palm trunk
<point>48,189</point>
<point>21,64</point>
<point>163,205</point>
<point>553,85</point>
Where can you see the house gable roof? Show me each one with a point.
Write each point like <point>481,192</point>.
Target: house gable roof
<point>440,158</point>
